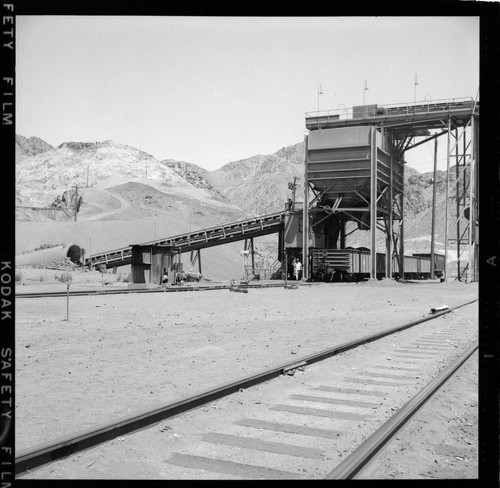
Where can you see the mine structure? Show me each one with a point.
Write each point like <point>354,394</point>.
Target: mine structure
<point>354,166</point>
<point>354,171</point>
<point>146,260</point>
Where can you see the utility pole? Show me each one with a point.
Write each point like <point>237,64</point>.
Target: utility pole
<point>76,201</point>
<point>415,83</point>
<point>293,187</point>
<point>365,88</point>
<point>320,92</point>
<point>433,224</point>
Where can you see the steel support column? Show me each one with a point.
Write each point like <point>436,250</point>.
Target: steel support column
<point>402,230</point>
<point>305,213</point>
<point>342,234</point>
<point>253,256</point>
<point>459,196</point>
<point>373,202</point>
<point>249,247</point>
<point>473,199</point>
<point>390,219</point>
<point>433,216</point>
<point>446,270</point>
<point>195,256</point>
<point>460,232</point>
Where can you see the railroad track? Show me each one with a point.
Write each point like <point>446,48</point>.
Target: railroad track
<point>280,428</point>
<point>171,289</point>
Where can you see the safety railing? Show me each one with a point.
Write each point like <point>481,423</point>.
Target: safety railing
<point>424,106</point>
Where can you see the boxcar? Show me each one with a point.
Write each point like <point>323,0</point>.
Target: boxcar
<point>355,264</point>
<point>438,263</point>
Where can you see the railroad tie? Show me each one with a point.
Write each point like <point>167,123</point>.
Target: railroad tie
<point>319,412</point>
<point>228,467</point>
<point>263,445</point>
<point>371,382</point>
<point>334,401</point>
<point>385,376</point>
<point>290,428</point>
<point>350,391</point>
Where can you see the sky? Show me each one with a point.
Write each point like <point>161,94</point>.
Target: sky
<point>211,90</point>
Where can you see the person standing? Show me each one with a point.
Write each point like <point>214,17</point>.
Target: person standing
<point>298,269</point>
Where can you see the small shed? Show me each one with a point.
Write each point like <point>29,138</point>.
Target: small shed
<point>150,262</point>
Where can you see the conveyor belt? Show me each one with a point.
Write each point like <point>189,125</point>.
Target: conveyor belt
<point>213,236</point>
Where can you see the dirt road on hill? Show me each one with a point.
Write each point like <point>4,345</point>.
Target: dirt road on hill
<point>123,206</point>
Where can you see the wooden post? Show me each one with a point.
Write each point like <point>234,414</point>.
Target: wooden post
<point>285,262</point>
<point>76,201</point>
<point>253,256</point>
<point>67,302</point>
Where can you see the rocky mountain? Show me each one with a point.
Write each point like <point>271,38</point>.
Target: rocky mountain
<point>259,185</point>
<point>43,177</point>
<point>197,176</point>
<point>28,147</point>
<point>122,196</point>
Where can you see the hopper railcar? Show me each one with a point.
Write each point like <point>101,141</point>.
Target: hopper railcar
<point>354,265</point>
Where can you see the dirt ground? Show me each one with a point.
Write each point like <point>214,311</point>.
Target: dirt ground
<point>441,440</point>
<point>119,354</point>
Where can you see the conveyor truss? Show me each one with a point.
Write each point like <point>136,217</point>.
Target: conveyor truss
<point>199,239</point>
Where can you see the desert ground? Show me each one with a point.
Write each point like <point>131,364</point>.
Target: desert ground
<point>118,354</point>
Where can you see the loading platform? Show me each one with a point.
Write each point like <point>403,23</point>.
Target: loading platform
<point>404,119</point>
<point>200,239</point>
<point>355,160</point>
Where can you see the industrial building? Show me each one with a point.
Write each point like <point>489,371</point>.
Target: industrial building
<point>354,166</point>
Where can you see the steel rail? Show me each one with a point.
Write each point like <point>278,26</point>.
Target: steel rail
<point>348,468</point>
<point>58,294</point>
<point>65,446</point>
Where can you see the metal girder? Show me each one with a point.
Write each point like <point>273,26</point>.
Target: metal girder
<point>465,196</point>
<point>321,193</point>
<point>442,133</point>
<point>354,190</point>
<point>194,258</point>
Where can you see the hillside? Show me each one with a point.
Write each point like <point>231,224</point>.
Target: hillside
<point>28,147</point>
<point>46,175</point>
<point>130,198</point>
<point>259,185</point>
